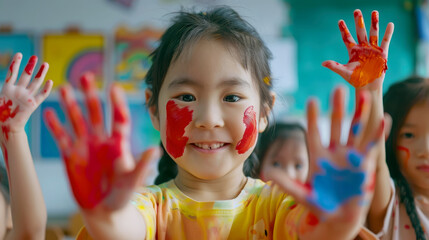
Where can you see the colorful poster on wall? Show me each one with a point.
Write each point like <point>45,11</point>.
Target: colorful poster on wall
<point>132,50</point>
<point>72,54</point>
<point>143,135</point>
<point>10,44</point>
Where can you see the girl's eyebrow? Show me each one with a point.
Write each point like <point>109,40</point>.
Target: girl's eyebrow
<point>189,82</point>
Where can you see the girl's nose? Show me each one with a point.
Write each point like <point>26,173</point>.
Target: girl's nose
<point>209,116</point>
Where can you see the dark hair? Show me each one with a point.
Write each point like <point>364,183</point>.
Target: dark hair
<point>4,183</point>
<point>221,23</point>
<point>398,101</point>
<point>278,131</point>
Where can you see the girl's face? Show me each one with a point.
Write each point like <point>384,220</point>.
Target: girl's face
<point>413,147</point>
<point>209,111</point>
<point>290,155</point>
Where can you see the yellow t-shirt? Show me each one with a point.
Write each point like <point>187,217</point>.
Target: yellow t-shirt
<point>260,211</point>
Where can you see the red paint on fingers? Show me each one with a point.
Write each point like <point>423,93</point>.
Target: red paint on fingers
<point>345,34</point>
<point>250,133</point>
<point>73,111</point>
<point>30,65</point>
<point>39,73</point>
<point>177,120</point>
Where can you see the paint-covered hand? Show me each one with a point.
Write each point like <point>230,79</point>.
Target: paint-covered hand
<point>367,61</point>
<point>100,167</point>
<point>18,101</point>
<point>341,179</point>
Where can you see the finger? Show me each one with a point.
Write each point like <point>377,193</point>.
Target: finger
<point>142,168</point>
<point>73,111</point>
<point>387,37</point>
<point>337,117</point>
<point>313,136</point>
<point>42,95</point>
<point>93,104</point>
<point>62,138</point>
<point>38,80</point>
<point>347,37</point>
<point>121,114</point>
<point>13,69</point>
<point>298,190</point>
<point>360,27</point>
<point>28,72</point>
<point>337,68</point>
<point>359,120</point>
<point>373,32</point>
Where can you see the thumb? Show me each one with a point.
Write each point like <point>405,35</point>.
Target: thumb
<point>142,170</point>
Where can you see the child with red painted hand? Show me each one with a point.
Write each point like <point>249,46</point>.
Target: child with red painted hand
<point>18,100</point>
<point>400,207</point>
<point>208,98</point>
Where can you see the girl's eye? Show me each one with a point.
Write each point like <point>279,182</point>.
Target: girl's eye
<point>186,98</point>
<point>298,166</point>
<point>407,135</point>
<point>232,98</point>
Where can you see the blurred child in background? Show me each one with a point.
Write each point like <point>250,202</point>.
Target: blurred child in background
<point>284,145</point>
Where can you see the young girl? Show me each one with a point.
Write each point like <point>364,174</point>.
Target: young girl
<point>18,100</point>
<point>208,95</point>
<point>407,155</point>
<point>284,145</point>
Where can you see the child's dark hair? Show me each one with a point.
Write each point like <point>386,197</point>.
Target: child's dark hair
<point>4,183</point>
<point>223,24</point>
<point>278,131</point>
<point>398,101</point>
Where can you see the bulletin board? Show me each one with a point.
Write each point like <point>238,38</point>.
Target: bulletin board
<point>132,61</point>
<point>72,54</point>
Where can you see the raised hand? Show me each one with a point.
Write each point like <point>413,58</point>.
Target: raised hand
<point>367,61</point>
<point>341,181</point>
<point>101,170</point>
<point>18,101</point>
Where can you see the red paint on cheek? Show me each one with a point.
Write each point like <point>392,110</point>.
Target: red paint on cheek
<point>30,65</point>
<point>250,134</point>
<point>177,120</point>
<point>407,154</point>
<point>39,73</point>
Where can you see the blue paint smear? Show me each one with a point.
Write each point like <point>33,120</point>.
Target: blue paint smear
<point>332,187</point>
<point>355,158</point>
<point>356,129</point>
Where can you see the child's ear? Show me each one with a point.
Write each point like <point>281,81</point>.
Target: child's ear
<point>152,110</point>
<point>263,120</point>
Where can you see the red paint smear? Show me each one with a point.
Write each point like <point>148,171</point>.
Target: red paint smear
<point>91,175</point>
<point>249,136</point>
<point>407,152</point>
<point>407,226</point>
<point>371,66</point>
<point>372,181</point>
<point>119,112</point>
<point>5,130</point>
<point>374,20</point>
<point>30,65</point>
<point>306,186</point>
<point>11,66</point>
<point>39,73</point>
<point>311,219</point>
<point>177,120</point>
<point>6,159</point>
<point>96,116</point>
<point>5,110</point>
<point>293,206</point>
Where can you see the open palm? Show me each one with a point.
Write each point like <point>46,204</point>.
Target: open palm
<point>18,101</point>
<point>101,170</point>
<point>367,61</point>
